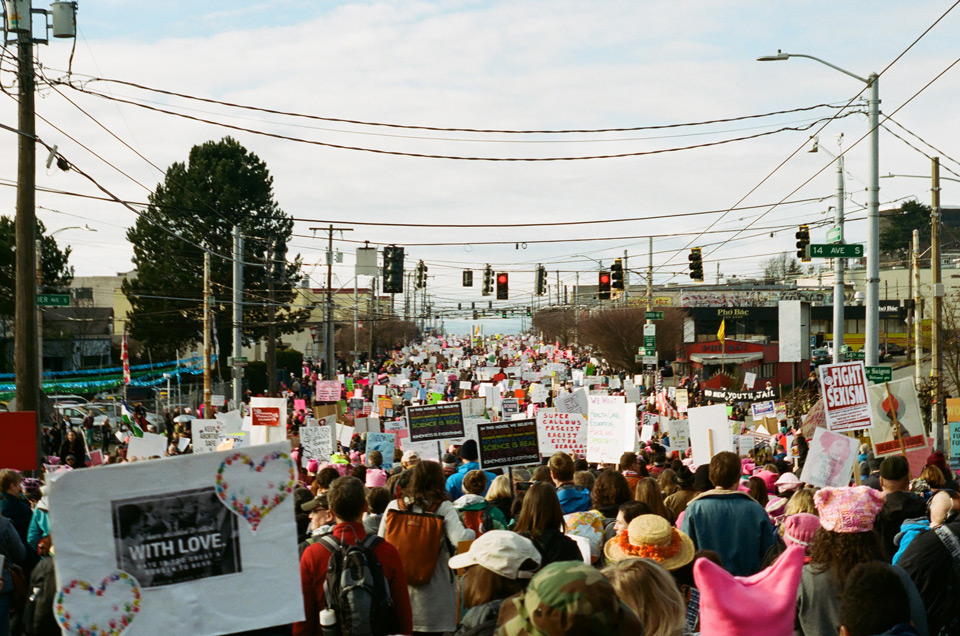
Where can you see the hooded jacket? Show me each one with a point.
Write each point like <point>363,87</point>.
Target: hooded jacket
<point>573,499</point>
<point>455,481</point>
<point>897,508</point>
<point>908,532</point>
<point>472,503</point>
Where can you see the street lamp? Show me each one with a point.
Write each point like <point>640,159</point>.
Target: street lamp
<point>872,344</point>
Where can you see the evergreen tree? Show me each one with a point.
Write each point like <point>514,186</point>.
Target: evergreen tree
<point>56,275</point>
<point>896,237</point>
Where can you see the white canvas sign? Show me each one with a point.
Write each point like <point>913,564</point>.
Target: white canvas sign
<point>149,445</point>
<point>205,435</point>
<point>576,402</point>
<point>709,432</point>
<point>830,460</point>
<point>611,428</point>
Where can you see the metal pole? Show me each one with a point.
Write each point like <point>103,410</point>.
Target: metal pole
<point>356,320</point>
<point>576,308</point>
<point>271,326</point>
<point>39,253</point>
<point>626,281</point>
<point>25,307</point>
<point>207,389</point>
<point>328,337</point>
<point>650,277</point>
<point>917,314</point>
<point>872,343</point>
<point>237,316</point>
<point>936,351</point>
<point>838,264</point>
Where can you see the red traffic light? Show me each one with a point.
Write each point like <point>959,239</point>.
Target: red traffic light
<point>502,279</point>
<point>604,279</point>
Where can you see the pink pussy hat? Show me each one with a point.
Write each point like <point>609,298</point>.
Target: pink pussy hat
<point>376,478</point>
<point>848,510</point>
<point>764,604</point>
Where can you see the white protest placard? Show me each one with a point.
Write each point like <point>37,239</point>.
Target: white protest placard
<point>761,410</point>
<point>465,385</point>
<point>566,432</point>
<point>679,435</point>
<point>206,435</point>
<point>346,434</point>
<point>576,402</point>
<point>182,443</point>
<point>230,422</point>
<point>632,394</point>
<point>611,428</point>
<point>682,399</point>
<point>426,451</point>
<point>830,460</point>
<point>150,445</point>
<point>745,444</point>
<point>132,544</point>
<point>903,400</point>
<point>217,400</point>
<point>317,443</point>
<point>328,391</point>
<point>846,403</point>
<point>538,393</point>
<point>268,419</point>
<point>749,379</point>
<point>615,382</point>
<point>709,432</point>
<point>646,433</point>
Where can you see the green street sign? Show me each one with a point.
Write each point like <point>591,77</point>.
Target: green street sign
<point>833,235</point>
<point>838,250</point>
<point>879,375</point>
<point>649,351</point>
<point>53,300</point>
<point>654,315</point>
<point>649,341</point>
<point>855,355</point>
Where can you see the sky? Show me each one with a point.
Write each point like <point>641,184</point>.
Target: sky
<point>518,65</point>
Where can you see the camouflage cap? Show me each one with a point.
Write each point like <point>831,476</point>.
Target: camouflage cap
<point>567,597</point>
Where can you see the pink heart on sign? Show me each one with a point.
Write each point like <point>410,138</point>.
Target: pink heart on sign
<point>250,489</point>
<point>105,610</point>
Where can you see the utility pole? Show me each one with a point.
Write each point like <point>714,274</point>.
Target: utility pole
<point>650,278</point>
<point>626,280</point>
<point>917,313</point>
<point>39,316</point>
<point>838,265</point>
<point>576,308</point>
<point>272,256</point>
<point>936,351</point>
<point>356,319</point>
<point>207,388</point>
<point>237,316</point>
<point>329,326</point>
<point>375,308</point>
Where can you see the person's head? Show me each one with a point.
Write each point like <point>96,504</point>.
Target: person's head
<point>667,481</point>
<point>71,435</point>
<point>377,500</point>
<point>427,483</point>
<point>347,499</point>
<point>541,473</point>
<point>725,470</point>
<point>10,481</point>
<point>584,479</point>
<point>71,461</point>
<point>648,491</point>
<point>801,501</point>
<point>873,601</point>
<point>499,488</point>
<point>701,478</point>
<point>628,461</point>
<point>799,529</point>
<point>541,510</point>
<point>449,462</point>
<point>895,474</point>
<point>318,509</point>
<point>499,564</point>
<point>375,459</point>
<point>610,490</point>
<point>469,452</point>
<point>651,593</point>
<point>846,537</point>
<point>757,489</point>
<point>409,459</point>
<point>933,476</point>
<point>629,511</point>
<point>475,482</point>
<point>325,477</point>
<point>651,537</point>
<point>561,468</point>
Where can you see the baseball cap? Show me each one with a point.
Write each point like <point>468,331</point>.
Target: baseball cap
<point>409,455</point>
<point>320,501</point>
<point>502,552</point>
<point>894,468</point>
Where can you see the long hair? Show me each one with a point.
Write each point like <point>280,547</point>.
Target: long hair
<point>426,484</point>
<point>499,488</point>
<point>839,552</point>
<point>648,491</point>
<point>757,489</point>
<point>651,592</point>
<point>541,510</point>
<point>667,484</point>
<point>610,490</point>
<point>480,585</point>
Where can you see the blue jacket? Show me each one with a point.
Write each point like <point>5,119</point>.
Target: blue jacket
<point>732,524</point>
<point>909,531</point>
<point>573,499</point>
<point>455,481</point>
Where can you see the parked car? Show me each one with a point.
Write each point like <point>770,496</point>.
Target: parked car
<point>67,399</point>
<point>892,349</point>
<point>820,356</point>
<point>74,414</point>
<point>113,410</point>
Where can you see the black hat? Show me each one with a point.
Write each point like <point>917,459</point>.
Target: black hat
<point>301,496</point>
<point>701,478</point>
<point>894,468</point>
<point>469,451</point>
<point>320,501</point>
<point>684,477</point>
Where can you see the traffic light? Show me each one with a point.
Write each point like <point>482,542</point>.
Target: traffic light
<point>603,289</point>
<point>696,264</point>
<point>421,274</point>
<point>803,241</point>
<point>487,280</point>
<point>467,278</point>
<point>616,275</point>
<point>393,269</point>
<point>541,280</point>
<point>503,286</point>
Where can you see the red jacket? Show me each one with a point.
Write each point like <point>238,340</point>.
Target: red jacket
<point>313,572</point>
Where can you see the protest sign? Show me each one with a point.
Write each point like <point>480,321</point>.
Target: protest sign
<point>299,405</point>
<point>384,403</point>
<point>566,432</point>
<point>510,406</point>
<point>345,435</point>
<point>18,430</point>
<point>575,402</point>
<point>328,391</point>
<point>683,400</point>
<point>131,545</point>
<point>268,417</point>
<point>355,404</point>
<point>538,393</point>
<point>814,419</point>
<point>679,435</point>
<point>96,457</point>
<point>401,433</point>
<point>231,421</point>
<point>845,399</point>
<point>182,443</point>
<point>761,410</point>
<point>709,432</point>
<point>745,444</point>
<point>150,445</point>
<point>611,428</point>
<point>465,385</point>
<point>954,439</point>
<point>510,443</point>
<point>218,400</point>
<point>383,442</point>
<point>830,460</point>
<point>206,435</point>
<point>749,379</point>
<point>781,411</point>
<point>632,394</point>
<point>902,401</point>
<point>435,422</point>
<point>316,443</point>
<point>646,433</point>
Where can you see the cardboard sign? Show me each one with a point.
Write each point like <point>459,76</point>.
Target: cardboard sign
<point>709,432</point>
<point>96,457</point>
<point>267,411</point>
<point>328,391</point>
<point>845,399</point>
<point>217,400</point>
<point>576,402</point>
<point>299,405</point>
<point>265,416</point>
<point>611,428</point>
<point>465,385</point>
<point>383,442</point>
<point>206,435</point>
<point>814,419</point>
<point>132,544</point>
<point>509,443</point>
<point>18,450</point>
<point>435,422</point>
<point>679,435</point>
<point>316,443</point>
<point>903,401</point>
<point>683,400</point>
<point>749,379</point>
<point>646,433</point>
<point>510,406</point>
<point>566,432</point>
<point>150,445</point>
<point>830,460</point>
<point>761,410</point>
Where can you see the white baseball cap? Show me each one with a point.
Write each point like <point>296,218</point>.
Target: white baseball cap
<point>502,552</point>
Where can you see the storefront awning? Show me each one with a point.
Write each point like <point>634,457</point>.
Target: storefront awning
<point>730,358</point>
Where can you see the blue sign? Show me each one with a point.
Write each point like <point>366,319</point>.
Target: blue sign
<point>955,439</point>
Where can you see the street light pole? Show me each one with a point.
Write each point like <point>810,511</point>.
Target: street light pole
<point>872,340</point>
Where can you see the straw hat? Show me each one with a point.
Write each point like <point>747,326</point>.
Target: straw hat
<point>651,537</point>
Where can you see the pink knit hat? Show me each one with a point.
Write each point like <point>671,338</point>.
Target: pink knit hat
<point>799,529</point>
<point>770,479</point>
<point>760,605</point>
<point>313,466</point>
<point>376,477</point>
<point>848,510</point>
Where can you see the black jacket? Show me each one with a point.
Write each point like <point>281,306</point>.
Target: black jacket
<point>554,546</point>
<point>937,577</point>
<point>898,507</point>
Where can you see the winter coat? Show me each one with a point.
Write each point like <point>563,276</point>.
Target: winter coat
<point>908,532</point>
<point>455,481</point>
<point>573,499</point>
<point>480,620</point>
<point>734,525</point>
<point>555,546</point>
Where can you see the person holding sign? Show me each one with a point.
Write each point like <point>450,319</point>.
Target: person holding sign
<point>469,456</point>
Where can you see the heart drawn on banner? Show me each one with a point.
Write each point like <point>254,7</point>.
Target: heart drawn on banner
<point>252,489</point>
<point>98,610</point>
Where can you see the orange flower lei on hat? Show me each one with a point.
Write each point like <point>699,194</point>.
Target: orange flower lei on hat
<point>649,550</point>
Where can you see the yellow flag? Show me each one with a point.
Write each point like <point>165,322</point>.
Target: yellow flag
<point>721,334</point>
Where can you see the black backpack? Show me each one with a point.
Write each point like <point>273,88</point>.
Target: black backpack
<point>37,618</point>
<point>356,588</point>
